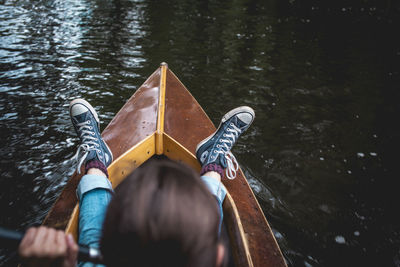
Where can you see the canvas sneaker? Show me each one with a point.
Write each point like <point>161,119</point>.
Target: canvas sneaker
<point>87,126</point>
<point>216,148</point>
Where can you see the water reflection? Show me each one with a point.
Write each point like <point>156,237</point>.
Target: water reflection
<point>322,77</point>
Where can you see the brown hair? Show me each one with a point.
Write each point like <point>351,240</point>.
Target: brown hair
<point>161,215</point>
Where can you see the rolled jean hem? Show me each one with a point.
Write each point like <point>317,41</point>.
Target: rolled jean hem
<point>216,187</point>
<point>90,182</point>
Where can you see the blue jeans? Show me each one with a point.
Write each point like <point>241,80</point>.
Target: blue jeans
<point>94,193</point>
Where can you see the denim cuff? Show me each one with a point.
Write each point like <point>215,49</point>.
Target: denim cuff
<point>216,187</point>
<point>90,182</point>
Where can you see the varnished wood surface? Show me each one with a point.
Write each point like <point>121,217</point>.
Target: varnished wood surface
<point>136,120</point>
<point>186,122</point>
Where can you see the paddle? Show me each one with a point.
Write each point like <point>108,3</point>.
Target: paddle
<point>11,239</point>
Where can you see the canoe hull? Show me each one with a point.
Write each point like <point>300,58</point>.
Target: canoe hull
<point>162,117</point>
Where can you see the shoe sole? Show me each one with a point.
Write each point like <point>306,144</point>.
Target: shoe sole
<point>96,117</point>
<point>226,117</point>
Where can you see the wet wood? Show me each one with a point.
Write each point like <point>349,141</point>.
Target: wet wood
<point>134,122</point>
<point>187,123</point>
<point>185,120</point>
<point>184,113</point>
<point>237,236</point>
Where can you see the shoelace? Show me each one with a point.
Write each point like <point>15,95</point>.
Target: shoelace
<point>88,143</point>
<point>227,143</point>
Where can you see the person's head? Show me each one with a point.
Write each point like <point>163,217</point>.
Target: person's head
<point>162,215</point>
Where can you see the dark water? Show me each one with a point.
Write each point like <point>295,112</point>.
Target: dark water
<point>322,76</point>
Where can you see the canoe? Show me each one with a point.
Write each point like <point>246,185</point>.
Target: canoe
<point>163,118</point>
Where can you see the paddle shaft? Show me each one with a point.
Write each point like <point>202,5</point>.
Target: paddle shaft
<point>12,239</point>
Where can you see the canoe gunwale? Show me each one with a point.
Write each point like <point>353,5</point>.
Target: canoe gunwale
<point>163,134</point>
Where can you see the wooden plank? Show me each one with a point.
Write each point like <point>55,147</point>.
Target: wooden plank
<point>238,239</point>
<point>132,159</point>
<point>193,126</point>
<point>119,169</point>
<point>161,111</point>
<point>176,151</point>
<point>185,120</point>
<point>136,120</point>
<point>187,123</point>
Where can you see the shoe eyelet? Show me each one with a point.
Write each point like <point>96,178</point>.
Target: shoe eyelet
<point>231,124</point>
<point>90,128</point>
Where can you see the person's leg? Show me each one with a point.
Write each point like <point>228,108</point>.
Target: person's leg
<point>214,152</point>
<point>94,194</point>
<point>94,190</point>
<point>212,180</point>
